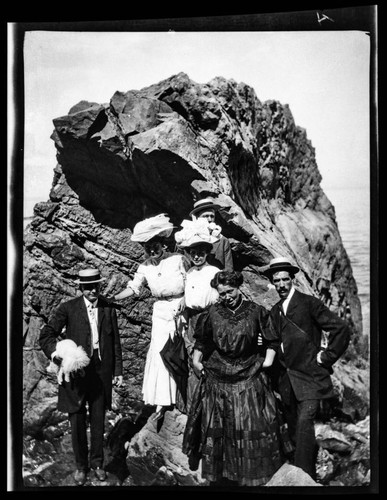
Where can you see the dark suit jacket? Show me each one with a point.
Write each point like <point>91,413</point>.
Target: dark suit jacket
<point>221,254</point>
<point>73,316</point>
<point>299,359</point>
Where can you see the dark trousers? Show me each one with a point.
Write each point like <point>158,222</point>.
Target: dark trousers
<point>300,416</point>
<point>78,420</point>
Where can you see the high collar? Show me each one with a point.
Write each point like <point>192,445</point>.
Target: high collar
<point>199,268</point>
<point>291,293</point>
<point>88,303</point>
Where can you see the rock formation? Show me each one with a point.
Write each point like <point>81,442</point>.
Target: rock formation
<point>159,149</point>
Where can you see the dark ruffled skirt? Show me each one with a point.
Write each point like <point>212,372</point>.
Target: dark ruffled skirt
<point>242,435</point>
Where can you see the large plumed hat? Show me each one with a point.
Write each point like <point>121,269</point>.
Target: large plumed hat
<point>204,204</point>
<point>279,264</point>
<point>194,232</point>
<point>159,225</point>
<point>87,276</point>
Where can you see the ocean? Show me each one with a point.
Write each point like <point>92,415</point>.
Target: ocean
<point>352,207</point>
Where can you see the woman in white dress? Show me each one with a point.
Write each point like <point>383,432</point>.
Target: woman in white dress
<point>196,241</point>
<point>165,274</point>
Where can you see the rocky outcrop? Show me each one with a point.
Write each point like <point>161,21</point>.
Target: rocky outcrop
<point>156,150</point>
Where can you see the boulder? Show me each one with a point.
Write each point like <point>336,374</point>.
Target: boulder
<point>290,475</point>
<point>156,150</point>
<point>155,454</point>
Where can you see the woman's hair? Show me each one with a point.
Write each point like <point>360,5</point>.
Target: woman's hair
<point>201,246</point>
<point>159,238</point>
<point>231,278</point>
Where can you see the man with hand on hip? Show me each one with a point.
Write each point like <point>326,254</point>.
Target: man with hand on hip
<point>304,366</point>
<point>90,322</point>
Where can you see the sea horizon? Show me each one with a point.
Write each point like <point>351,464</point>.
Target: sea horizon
<point>352,208</point>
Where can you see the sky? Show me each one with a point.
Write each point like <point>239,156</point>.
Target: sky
<point>322,75</point>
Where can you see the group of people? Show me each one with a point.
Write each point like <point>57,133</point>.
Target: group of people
<point>231,343</point>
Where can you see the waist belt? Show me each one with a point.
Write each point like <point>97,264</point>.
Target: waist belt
<point>193,311</point>
<point>170,297</point>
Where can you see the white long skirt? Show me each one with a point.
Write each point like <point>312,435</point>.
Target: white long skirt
<point>158,387</point>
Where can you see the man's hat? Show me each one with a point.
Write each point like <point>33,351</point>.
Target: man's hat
<point>202,205</point>
<point>279,264</point>
<point>87,276</point>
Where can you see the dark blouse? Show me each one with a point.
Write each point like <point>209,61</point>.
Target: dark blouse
<point>229,340</point>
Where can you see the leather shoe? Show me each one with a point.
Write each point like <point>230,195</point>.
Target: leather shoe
<point>100,474</point>
<point>80,477</point>
<point>156,416</point>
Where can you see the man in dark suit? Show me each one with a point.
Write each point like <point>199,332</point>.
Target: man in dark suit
<point>91,323</point>
<point>304,365</point>
<point>221,254</point>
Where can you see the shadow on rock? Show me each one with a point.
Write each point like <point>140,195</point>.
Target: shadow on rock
<point>116,444</point>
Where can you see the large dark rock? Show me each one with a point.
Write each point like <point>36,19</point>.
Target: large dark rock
<point>156,150</point>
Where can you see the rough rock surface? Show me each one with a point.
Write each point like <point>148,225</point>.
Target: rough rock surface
<point>159,444</point>
<point>289,475</point>
<point>158,150</point>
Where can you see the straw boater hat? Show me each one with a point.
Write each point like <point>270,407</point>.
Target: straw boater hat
<point>87,276</point>
<point>159,225</point>
<point>279,264</point>
<point>194,233</point>
<point>204,204</point>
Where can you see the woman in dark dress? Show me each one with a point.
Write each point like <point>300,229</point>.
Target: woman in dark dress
<point>240,428</point>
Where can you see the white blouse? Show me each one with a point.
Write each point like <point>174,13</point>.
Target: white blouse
<point>198,291</point>
<point>165,279</point>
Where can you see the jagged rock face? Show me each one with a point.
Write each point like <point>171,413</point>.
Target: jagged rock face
<point>158,150</point>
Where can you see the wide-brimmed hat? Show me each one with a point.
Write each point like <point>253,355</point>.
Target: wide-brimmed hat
<point>195,241</point>
<point>159,225</point>
<point>87,276</point>
<point>204,204</point>
<point>194,233</point>
<point>280,264</point>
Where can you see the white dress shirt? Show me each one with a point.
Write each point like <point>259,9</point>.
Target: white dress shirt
<point>92,312</point>
<point>285,304</point>
<point>287,300</point>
